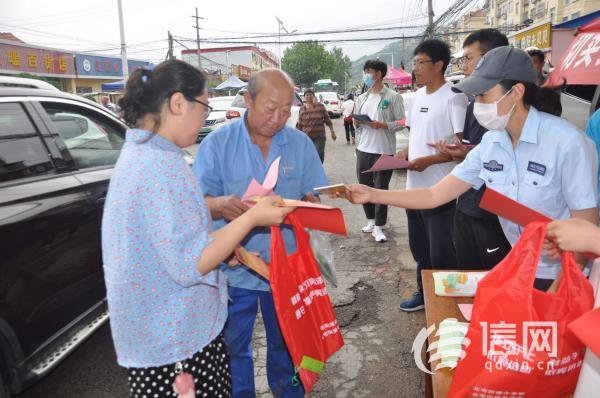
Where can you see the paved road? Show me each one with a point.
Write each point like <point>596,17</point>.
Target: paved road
<point>376,361</point>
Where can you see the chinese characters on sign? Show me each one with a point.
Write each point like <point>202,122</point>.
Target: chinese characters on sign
<point>17,58</point>
<point>537,37</point>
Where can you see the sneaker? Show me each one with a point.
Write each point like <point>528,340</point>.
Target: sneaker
<point>416,303</point>
<point>378,235</point>
<point>369,227</point>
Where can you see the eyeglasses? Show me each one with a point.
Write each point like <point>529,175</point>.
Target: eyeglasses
<point>466,59</point>
<point>208,107</point>
<point>419,63</point>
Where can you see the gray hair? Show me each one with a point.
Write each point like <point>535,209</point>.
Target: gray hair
<point>257,79</point>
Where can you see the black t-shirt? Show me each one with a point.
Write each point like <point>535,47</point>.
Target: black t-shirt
<point>468,202</point>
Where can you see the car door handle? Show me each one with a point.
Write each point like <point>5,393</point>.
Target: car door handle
<point>101,200</point>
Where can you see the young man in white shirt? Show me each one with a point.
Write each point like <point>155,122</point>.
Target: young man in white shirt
<point>437,113</point>
<point>385,108</point>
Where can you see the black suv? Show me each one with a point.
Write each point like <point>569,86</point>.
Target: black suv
<point>57,153</point>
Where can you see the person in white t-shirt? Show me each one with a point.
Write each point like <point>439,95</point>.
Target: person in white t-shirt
<point>385,108</point>
<point>436,113</point>
<point>347,110</point>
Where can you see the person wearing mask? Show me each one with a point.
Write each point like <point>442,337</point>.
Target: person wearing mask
<point>167,299</point>
<point>539,59</point>
<point>227,161</point>
<point>347,110</point>
<point>478,237</point>
<point>437,113</point>
<point>535,158</point>
<point>312,118</point>
<point>377,137</point>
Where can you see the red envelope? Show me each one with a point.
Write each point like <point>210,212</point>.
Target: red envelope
<point>505,207</point>
<point>586,329</point>
<point>326,220</point>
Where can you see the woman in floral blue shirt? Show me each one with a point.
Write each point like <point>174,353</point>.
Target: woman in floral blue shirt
<point>166,295</point>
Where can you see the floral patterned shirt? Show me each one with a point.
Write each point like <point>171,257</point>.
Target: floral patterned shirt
<point>155,227</point>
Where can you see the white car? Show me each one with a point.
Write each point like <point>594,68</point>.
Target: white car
<point>332,102</point>
<point>238,108</point>
<point>217,117</point>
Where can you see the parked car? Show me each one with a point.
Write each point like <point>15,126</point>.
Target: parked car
<point>217,117</point>
<point>57,153</point>
<point>238,108</point>
<point>23,82</point>
<point>579,102</point>
<point>332,103</point>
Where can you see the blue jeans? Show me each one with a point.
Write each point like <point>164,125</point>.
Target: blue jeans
<point>243,308</point>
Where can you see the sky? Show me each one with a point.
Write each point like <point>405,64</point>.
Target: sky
<point>93,26</point>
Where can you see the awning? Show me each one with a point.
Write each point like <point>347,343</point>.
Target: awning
<point>580,64</point>
<point>113,86</point>
<point>232,83</point>
<point>398,76</point>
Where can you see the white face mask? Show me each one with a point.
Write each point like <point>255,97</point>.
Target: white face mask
<point>487,114</point>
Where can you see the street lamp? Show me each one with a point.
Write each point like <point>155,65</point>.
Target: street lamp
<point>279,28</point>
<point>392,54</point>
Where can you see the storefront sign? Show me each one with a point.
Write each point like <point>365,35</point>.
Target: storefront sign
<point>93,65</point>
<point>536,37</point>
<point>17,58</point>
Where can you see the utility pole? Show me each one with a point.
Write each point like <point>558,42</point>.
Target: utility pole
<point>170,51</point>
<point>124,65</point>
<point>279,28</point>
<point>197,26</point>
<point>402,55</point>
<point>430,15</point>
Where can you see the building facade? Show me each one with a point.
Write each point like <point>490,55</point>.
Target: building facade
<point>76,72</point>
<point>228,60</point>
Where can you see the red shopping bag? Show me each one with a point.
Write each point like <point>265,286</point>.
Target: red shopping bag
<point>520,345</point>
<point>303,308</point>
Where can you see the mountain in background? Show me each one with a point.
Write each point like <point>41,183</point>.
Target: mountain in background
<point>384,55</point>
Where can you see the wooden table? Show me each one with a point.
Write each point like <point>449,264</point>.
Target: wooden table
<point>436,310</point>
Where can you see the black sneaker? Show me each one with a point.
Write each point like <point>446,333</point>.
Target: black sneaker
<point>416,303</point>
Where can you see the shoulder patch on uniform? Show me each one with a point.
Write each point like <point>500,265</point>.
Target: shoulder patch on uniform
<point>493,165</point>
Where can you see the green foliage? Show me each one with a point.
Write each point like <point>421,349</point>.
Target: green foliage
<point>308,61</point>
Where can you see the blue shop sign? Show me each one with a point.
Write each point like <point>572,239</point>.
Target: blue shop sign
<point>93,65</point>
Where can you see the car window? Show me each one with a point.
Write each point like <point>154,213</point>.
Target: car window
<point>583,91</point>
<point>238,102</point>
<point>90,140</point>
<point>22,151</point>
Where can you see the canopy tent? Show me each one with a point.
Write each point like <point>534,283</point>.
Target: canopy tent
<point>398,76</point>
<point>232,83</point>
<point>113,86</point>
<point>580,64</point>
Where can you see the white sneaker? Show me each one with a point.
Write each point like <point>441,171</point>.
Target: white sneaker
<point>369,227</point>
<point>378,234</point>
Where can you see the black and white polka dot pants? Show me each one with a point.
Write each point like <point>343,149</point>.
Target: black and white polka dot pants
<point>209,368</point>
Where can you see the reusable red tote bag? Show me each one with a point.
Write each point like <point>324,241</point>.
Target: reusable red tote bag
<point>306,317</point>
<point>519,343</point>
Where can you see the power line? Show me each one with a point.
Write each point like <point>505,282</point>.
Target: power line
<point>388,38</point>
